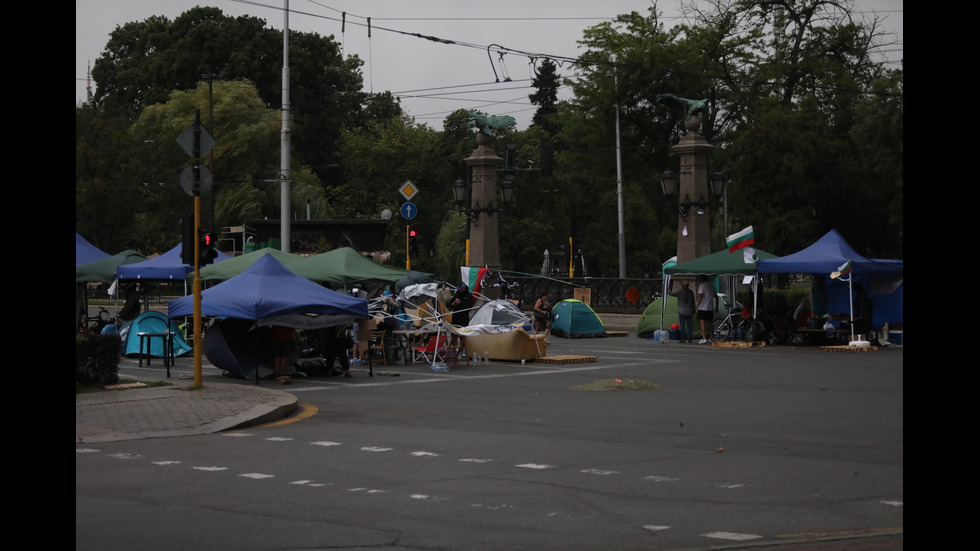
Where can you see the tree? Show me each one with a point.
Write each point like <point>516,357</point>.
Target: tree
<point>546,83</point>
<point>145,61</point>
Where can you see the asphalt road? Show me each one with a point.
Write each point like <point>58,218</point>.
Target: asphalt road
<point>774,447</point>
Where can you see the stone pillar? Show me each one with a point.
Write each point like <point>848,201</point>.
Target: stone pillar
<point>484,247</point>
<point>693,235</point>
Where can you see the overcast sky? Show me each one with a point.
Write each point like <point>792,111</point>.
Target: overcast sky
<point>433,78</point>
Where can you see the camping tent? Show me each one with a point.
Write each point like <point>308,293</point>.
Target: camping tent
<point>86,252</point>
<point>345,267</point>
<point>574,319</point>
<point>104,269</point>
<point>499,312</point>
<point>268,293</point>
<point>152,322</point>
<point>167,266</point>
<point>227,269</point>
<point>882,281</point>
<point>660,315</point>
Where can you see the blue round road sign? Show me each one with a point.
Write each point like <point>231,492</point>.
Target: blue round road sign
<point>409,210</point>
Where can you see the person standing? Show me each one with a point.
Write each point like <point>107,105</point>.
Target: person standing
<point>707,304</point>
<point>685,310</point>
<point>460,304</point>
<point>282,338</point>
<point>542,316</point>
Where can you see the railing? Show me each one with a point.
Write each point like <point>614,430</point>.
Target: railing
<point>608,295</point>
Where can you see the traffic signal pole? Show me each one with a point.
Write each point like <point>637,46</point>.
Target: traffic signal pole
<point>198,337</point>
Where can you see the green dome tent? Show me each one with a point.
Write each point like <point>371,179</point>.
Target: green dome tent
<point>573,319</point>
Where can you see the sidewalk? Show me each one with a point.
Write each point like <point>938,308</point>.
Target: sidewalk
<point>158,412</point>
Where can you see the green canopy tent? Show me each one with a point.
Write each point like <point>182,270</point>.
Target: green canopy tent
<point>719,263</point>
<point>346,267</point>
<point>230,267</point>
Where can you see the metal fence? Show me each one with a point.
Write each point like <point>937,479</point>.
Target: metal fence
<point>605,295</point>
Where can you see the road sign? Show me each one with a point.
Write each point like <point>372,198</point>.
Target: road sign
<point>408,190</point>
<point>186,140</point>
<point>187,180</point>
<point>409,210</point>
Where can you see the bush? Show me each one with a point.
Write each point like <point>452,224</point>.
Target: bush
<point>97,360</point>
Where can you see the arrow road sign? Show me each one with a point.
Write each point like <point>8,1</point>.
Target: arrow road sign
<point>409,210</point>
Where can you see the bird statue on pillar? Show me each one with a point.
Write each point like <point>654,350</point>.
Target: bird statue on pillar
<point>489,124</point>
<point>689,107</point>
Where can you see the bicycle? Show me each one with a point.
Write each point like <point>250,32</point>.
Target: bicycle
<point>739,325</point>
<point>95,324</point>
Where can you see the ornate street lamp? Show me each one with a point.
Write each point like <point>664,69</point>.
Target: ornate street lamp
<point>462,190</point>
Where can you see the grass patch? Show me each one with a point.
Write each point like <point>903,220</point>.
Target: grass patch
<point>613,385</point>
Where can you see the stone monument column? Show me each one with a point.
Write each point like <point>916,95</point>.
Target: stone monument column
<point>484,246</point>
<point>694,233</point>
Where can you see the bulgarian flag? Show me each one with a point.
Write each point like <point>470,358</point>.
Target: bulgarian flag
<point>472,277</point>
<point>844,269</point>
<point>741,239</point>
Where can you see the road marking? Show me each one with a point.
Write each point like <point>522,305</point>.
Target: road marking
<point>211,468</point>
<point>535,466</point>
<point>654,528</point>
<point>257,475</point>
<point>734,536</point>
<point>375,449</point>
<point>424,454</point>
<point>599,471</point>
<point>325,443</point>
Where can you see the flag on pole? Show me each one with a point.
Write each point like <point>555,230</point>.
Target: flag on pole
<point>741,239</point>
<point>844,269</point>
<point>472,277</point>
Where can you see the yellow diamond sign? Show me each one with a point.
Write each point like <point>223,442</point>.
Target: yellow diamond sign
<point>408,190</point>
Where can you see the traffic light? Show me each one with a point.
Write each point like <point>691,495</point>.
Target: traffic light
<point>187,239</point>
<point>547,158</point>
<point>510,157</point>
<point>412,235</point>
<point>207,251</point>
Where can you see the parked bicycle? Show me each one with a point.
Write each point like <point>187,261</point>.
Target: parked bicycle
<point>95,324</point>
<point>739,325</point>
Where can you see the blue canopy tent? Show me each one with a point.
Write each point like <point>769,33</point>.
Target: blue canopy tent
<point>86,252</point>
<point>265,293</point>
<point>166,267</point>
<point>880,280</point>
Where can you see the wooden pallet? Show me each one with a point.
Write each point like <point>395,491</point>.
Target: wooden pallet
<point>617,333</point>
<point>753,344</point>
<point>846,348</point>
<point>567,359</point>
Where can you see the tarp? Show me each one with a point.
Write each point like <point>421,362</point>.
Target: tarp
<point>721,262</point>
<point>152,322</point>
<point>499,312</point>
<point>346,267</point>
<point>825,256</point>
<point>104,270</point>
<point>240,348</point>
<point>167,266</point>
<point>270,294</point>
<point>574,319</point>
<point>86,252</point>
<point>227,269</point>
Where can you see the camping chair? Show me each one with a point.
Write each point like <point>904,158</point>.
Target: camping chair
<point>376,348</point>
<point>427,352</point>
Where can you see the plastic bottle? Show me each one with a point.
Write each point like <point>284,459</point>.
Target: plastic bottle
<point>486,357</point>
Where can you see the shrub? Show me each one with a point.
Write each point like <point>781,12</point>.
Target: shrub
<point>97,360</point>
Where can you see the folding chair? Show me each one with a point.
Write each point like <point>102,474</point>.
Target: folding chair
<point>427,353</point>
<point>376,348</point>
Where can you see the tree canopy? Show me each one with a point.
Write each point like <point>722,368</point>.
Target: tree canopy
<point>806,125</point>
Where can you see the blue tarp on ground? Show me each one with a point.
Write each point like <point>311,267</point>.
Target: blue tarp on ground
<point>167,266</point>
<point>152,322</point>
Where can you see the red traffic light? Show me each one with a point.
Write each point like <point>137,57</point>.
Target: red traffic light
<point>412,232</point>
